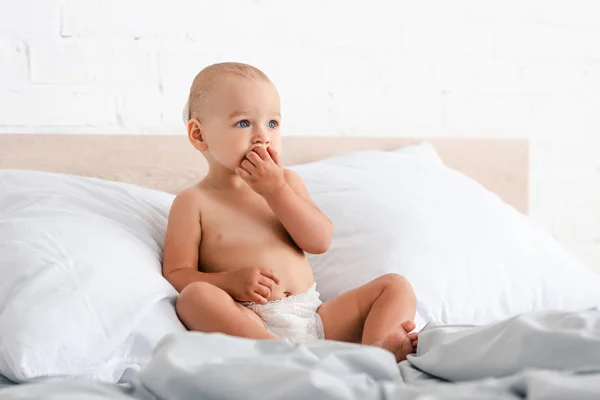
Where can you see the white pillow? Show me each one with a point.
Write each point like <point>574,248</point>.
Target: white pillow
<point>471,258</point>
<point>159,321</point>
<point>80,261</point>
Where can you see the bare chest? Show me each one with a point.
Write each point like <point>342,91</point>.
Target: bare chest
<point>235,231</point>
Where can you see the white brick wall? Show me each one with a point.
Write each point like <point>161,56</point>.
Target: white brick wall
<point>462,68</point>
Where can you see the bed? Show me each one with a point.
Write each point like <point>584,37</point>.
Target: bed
<point>521,324</point>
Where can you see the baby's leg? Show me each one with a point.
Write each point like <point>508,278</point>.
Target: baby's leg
<point>379,313</point>
<point>206,308</point>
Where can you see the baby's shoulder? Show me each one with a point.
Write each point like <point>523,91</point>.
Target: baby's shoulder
<point>190,198</point>
<point>291,176</point>
<point>294,180</point>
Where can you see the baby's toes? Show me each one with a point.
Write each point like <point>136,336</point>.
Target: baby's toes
<point>405,349</point>
<point>408,326</point>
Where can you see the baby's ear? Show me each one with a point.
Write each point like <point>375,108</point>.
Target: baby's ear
<point>195,134</point>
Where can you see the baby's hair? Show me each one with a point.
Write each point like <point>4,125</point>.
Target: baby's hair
<point>210,76</point>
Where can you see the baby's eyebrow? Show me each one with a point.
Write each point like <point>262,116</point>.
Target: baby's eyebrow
<point>236,114</point>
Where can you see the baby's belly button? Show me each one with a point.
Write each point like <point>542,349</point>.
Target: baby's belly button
<point>278,294</point>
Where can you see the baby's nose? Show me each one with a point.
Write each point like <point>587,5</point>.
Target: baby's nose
<point>261,137</point>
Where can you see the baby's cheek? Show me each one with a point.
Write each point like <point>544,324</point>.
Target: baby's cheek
<point>276,145</point>
<point>227,159</point>
<point>236,158</point>
<point>233,154</point>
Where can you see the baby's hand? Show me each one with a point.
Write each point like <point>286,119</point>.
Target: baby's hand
<point>262,170</point>
<point>252,284</point>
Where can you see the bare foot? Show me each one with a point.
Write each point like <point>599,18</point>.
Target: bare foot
<point>399,342</point>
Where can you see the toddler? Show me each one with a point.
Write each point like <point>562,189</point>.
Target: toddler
<point>236,241</point>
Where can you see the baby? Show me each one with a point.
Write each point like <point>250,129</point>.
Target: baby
<point>236,241</point>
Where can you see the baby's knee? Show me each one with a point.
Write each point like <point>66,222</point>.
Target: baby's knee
<point>195,295</point>
<point>395,281</point>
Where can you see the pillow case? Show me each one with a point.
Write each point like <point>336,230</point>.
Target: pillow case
<point>138,350</point>
<point>80,261</point>
<point>471,258</point>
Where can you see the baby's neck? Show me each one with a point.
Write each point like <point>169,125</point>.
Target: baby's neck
<point>224,179</point>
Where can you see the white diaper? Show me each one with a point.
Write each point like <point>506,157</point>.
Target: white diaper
<point>292,318</point>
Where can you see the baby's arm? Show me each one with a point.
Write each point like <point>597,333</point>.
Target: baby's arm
<point>289,199</point>
<point>182,241</point>
<point>306,224</point>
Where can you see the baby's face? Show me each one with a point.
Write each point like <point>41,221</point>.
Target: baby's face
<point>243,113</point>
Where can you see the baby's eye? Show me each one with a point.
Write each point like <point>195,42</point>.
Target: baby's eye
<point>273,124</point>
<point>243,123</point>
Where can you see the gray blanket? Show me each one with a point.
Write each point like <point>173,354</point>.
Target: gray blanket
<point>549,355</point>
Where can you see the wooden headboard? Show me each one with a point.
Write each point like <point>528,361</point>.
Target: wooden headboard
<point>170,163</point>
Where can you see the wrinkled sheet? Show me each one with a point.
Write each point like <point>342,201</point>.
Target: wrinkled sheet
<point>540,356</point>
<point>5,382</point>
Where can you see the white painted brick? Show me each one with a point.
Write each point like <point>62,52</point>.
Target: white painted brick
<point>542,41</point>
<point>565,190</point>
<point>56,106</point>
<point>260,19</point>
<point>77,61</point>
<point>592,75</point>
<point>352,28</point>
<point>574,12</point>
<point>30,18</point>
<point>506,10</point>
<point>57,62</point>
<point>488,115</point>
<point>454,74</point>
<point>379,115</point>
<point>284,24</point>
<point>139,109</point>
<point>587,253</point>
<point>570,187</point>
<point>406,10</point>
<point>104,129</point>
<point>352,96</point>
<point>171,107</point>
<point>131,18</point>
<point>571,224</point>
<point>13,62</point>
<point>558,76</point>
<point>575,227</point>
<point>122,62</point>
<point>179,62</point>
<point>567,112</point>
<point>472,10</point>
<point>569,148</point>
<point>498,77</point>
<point>439,37</point>
<point>478,76</point>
